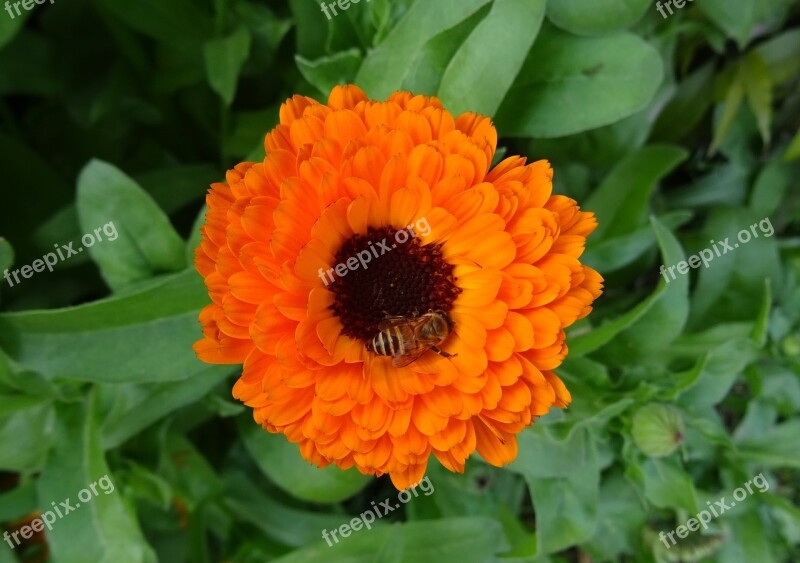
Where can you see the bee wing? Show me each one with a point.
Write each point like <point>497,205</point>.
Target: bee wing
<point>390,322</point>
<point>401,360</point>
<point>410,346</point>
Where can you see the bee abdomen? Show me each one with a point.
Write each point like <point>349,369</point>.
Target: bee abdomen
<point>385,344</point>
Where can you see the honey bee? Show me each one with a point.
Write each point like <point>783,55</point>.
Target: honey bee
<point>406,339</point>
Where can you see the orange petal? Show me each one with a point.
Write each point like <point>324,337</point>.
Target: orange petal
<point>496,448</point>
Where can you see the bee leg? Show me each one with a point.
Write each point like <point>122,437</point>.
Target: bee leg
<point>442,352</point>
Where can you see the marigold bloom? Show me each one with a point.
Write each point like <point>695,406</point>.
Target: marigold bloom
<point>499,255</point>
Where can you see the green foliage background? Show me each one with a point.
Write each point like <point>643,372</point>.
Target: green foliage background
<point>675,131</point>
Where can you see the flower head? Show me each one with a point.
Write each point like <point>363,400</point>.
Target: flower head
<point>305,265</point>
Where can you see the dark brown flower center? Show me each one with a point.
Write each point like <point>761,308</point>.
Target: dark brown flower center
<point>387,276</point>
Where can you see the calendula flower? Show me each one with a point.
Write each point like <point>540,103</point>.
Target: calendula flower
<point>492,252</point>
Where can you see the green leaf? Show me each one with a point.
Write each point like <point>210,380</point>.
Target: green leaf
<point>280,460</point>
<point>135,406</point>
<point>326,72</point>
<point>566,508</point>
<point>145,484</point>
<point>726,287</point>
<point>222,406</point>
<point>180,24</point>
<point>427,69</point>
<point>112,204</point>
<point>786,515</point>
<point>782,55</point>
<point>724,185</point>
<point>615,253</point>
<point>349,28</point>
<point>570,84</point>
<point>29,50</point>
<point>739,20</point>
<point>176,186</point>
<point>690,102</point>
<point>750,540</point>
<point>563,453</point>
<point>770,187</point>
<point>6,555</point>
<point>267,30</point>
<point>596,18</point>
<point>778,447</point>
<point>15,379</point>
<point>386,65</point>
<point>18,502</point>
<point>311,26</point>
<point>6,255</point>
<point>621,201</point>
<point>758,89</point>
<point>793,151</point>
<point>101,527</point>
<point>291,526</point>
<point>11,24</point>
<point>483,68</point>
<point>248,130</point>
<point>196,236</point>
<point>453,495</point>
<point>225,58</point>
<point>667,316</point>
<point>564,488</point>
<point>735,20</point>
<point>761,324</point>
<point>32,174</point>
<point>781,387</point>
<point>582,344</point>
<point>733,101</point>
<point>716,372</point>
<point>63,225</point>
<point>28,423</point>
<point>188,472</point>
<point>620,518</point>
<point>451,539</point>
<point>103,341</point>
<point>667,485</point>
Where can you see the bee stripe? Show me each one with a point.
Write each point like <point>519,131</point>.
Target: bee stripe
<point>388,338</point>
<point>377,344</point>
<point>398,338</point>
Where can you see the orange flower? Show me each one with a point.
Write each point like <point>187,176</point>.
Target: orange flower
<point>493,249</point>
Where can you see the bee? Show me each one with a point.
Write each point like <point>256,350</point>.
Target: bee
<point>408,338</point>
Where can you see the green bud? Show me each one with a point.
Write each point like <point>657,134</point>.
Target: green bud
<point>791,345</point>
<point>657,429</point>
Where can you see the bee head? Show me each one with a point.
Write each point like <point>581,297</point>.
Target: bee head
<point>446,318</point>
